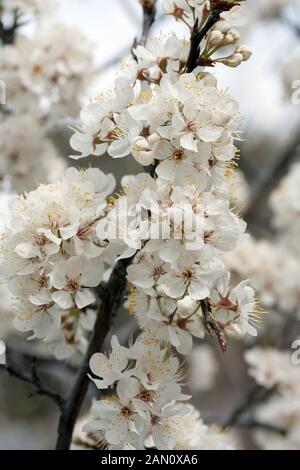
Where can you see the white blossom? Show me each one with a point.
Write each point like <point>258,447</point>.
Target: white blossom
<point>47,273</point>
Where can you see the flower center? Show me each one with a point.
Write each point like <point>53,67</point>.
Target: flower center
<point>73,284</point>
<point>225,302</point>
<point>187,274</point>
<point>126,412</point>
<point>42,281</point>
<point>40,239</point>
<point>178,154</point>
<point>157,272</point>
<point>192,126</point>
<point>53,221</point>
<point>155,420</point>
<point>146,395</point>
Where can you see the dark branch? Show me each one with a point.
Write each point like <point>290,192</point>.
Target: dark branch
<point>254,424</point>
<point>198,34</point>
<point>149,12</point>
<point>111,294</point>
<point>8,33</point>
<point>196,38</point>
<point>32,378</point>
<point>257,396</point>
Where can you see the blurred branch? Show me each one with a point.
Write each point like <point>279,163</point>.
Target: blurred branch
<point>269,178</point>
<point>257,396</point>
<point>33,378</point>
<point>111,295</point>
<point>255,424</point>
<point>7,34</point>
<point>289,330</point>
<point>292,24</point>
<point>149,12</point>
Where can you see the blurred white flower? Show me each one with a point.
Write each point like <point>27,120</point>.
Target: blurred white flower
<point>202,369</point>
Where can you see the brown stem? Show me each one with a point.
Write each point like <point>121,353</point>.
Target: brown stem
<point>197,35</point>
<point>149,12</point>
<point>111,294</point>
<point>32,378</point>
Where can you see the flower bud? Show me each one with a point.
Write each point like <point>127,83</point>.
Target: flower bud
<point>206,8</point>
<point>215,38</point>
<point>234,60</point>
<point>245,51</point>
<point>232,37</point>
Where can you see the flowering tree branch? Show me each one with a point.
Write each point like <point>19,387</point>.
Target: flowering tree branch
<point>198,33</point>
<point>33,378</point>
<point>180,126</point>
<point>111,295</point>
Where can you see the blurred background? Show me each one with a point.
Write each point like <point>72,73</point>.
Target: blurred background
<point>72,53</point>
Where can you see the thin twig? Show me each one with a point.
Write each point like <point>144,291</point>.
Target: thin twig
<point>32,378</point>
<point>255,424</point>
<point>111,294</point>
<point>256,396</point>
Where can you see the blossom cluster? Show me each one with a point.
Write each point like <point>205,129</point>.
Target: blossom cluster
<point>179,219</point>
<point>48,70</point>
<point>43,77</point>
<point>274,370</point>
<point>275,262</point>
<point>147,410</point>
<point>27,155</point>
<point>51,257</point>
<point>175,221</point>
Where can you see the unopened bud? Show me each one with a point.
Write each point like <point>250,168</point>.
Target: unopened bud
<point>206,9</point>
<point>246,53</point>
<point>232,37</point>
<point>215,38</point>
<point>234,60</point>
